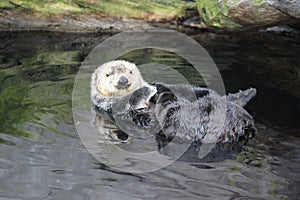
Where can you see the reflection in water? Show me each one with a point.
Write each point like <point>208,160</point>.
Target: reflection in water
<point>149,141</point>
<point>42,157</point>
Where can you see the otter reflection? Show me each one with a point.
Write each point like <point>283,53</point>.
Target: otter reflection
<point>191,153</point>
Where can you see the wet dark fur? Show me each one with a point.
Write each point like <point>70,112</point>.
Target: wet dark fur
<point>238,124</point>
<point>186,112</point>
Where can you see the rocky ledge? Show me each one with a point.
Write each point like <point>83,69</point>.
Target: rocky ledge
<point>119,15</point>
<point>91,16</point>
<point>244,14</point>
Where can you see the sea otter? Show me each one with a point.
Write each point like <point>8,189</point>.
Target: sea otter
<point>114,80</point>
<point>169,111</point>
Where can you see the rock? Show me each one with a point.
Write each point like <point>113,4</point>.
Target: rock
<point>192,21</point>
<point>241,14</point>
<point>282,30</point>
<point>21,21</point>
<point>290,7</point>
<point>90,16</point>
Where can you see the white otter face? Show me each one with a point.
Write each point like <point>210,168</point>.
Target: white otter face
<point>117,78</point>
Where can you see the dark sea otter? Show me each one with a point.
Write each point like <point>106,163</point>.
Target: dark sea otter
<point>190,113</point>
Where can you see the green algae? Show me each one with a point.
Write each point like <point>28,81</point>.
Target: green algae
<point>138,9</point>
<point>256,2</point>
<point>7,5</point>
<point>35,96</point>
<point>215,16</point>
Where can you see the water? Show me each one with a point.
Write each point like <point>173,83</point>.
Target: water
<point>42,157</point>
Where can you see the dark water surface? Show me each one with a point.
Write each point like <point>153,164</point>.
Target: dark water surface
<point>42,157</point>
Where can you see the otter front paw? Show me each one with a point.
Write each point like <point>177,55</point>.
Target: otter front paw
<point>141,118</point>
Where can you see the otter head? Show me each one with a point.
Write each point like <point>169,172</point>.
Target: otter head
<point>117,78</point>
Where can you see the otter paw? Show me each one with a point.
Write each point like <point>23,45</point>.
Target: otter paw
<point>140,118</point>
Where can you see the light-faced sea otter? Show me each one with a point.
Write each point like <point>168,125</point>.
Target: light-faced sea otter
<point>120,94</point>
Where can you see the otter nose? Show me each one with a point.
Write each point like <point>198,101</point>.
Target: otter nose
<point>123,80</point>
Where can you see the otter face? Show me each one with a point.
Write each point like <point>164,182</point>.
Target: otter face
<point>117,78</point>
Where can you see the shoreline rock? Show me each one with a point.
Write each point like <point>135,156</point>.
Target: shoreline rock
<point>90,16</point>
<point>233,15</point>
<point>85,24</point>
<point>219,16</point>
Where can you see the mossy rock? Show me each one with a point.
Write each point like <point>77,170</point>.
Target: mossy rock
<point>156,10</point>
<point>240,14</point>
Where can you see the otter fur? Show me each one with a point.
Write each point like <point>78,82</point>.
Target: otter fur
<point>170,111</point>
<point>114,80</point>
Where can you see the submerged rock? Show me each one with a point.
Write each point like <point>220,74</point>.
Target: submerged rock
<point>282,30</point>
<point>239,14</point>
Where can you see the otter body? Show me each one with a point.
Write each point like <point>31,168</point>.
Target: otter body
<point>167,110</point>
<point>207,116</point>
